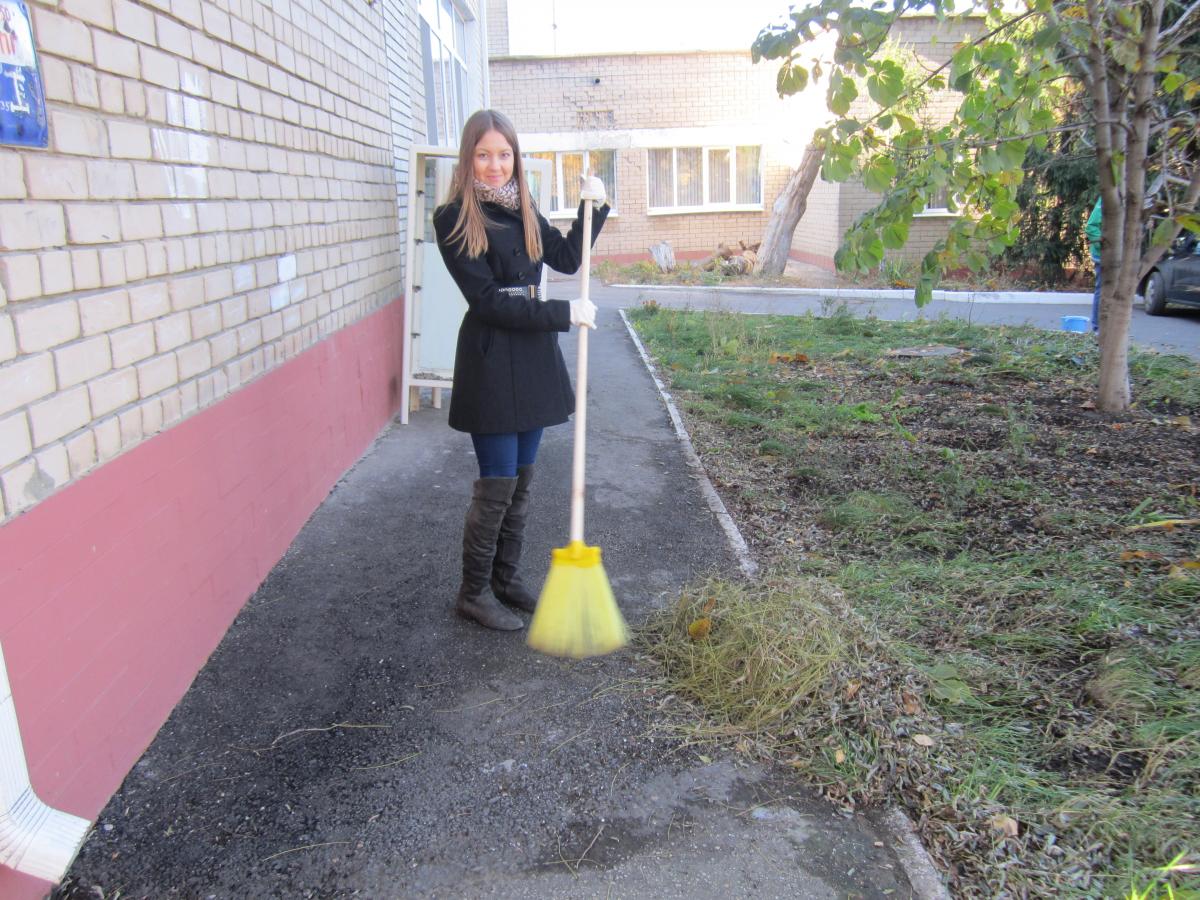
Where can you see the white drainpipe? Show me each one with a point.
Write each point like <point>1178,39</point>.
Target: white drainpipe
<point>34,838</point>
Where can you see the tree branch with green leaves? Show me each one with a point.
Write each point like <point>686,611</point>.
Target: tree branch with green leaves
<point>1010,71</point>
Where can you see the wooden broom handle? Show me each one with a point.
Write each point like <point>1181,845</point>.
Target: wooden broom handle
<point>581,367</point>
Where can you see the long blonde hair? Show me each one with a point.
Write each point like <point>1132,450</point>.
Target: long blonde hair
<point>470,231</point>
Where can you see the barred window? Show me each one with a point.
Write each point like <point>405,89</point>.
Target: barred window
<point>568,166</point>
<point>696,178</point>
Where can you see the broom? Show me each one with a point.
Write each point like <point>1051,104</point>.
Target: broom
<point>577,614</point>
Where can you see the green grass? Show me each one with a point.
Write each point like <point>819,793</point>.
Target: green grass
<point>964,590</point>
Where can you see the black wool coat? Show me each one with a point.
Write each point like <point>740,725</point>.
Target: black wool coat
<point>509,374</point>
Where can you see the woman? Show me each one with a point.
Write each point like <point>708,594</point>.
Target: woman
<point>510,381</point>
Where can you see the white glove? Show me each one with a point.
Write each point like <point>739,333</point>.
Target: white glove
<point>583,313</point>
<point>592,188</point>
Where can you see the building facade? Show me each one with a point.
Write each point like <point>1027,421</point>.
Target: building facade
<point>694,146</point>
<point>200,305</point>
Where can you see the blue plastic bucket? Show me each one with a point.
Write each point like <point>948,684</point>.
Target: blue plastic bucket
<point>1076,323</point>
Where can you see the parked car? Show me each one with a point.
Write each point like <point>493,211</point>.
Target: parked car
<point>1175,278</point>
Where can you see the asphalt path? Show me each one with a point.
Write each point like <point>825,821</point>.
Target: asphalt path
<point>1177,332</point>
<point>351,737</point>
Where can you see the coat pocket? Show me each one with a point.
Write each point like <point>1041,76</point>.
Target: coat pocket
<point>487,335</point>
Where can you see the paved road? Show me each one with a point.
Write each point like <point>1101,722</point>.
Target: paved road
<point>1178,332</point>
<point>350,736</point>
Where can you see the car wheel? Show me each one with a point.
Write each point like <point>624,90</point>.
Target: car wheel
<point>1155,294</point>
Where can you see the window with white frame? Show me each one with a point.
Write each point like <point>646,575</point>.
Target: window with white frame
<point>684,179</point>
<point>938,203</point>
<point>443,45</point>
<point>568,166</point>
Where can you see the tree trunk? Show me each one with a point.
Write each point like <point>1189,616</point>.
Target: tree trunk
<point>787,211</point>
<point>1124,234</point>
<point>1116,312</point>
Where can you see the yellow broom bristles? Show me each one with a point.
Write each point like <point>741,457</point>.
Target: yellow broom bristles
<point>577,615</point>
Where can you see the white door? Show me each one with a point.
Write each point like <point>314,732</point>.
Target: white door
<point>435,306</point>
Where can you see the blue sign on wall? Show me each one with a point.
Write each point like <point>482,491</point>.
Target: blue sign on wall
<point>22,100</point>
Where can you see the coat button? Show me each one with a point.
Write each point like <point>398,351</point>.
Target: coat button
<point>520,274</point>
<point>516,251</point>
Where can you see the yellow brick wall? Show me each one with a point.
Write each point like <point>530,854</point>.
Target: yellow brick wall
<point>819,232</point>
<point>497,27</point>
<point>610,102</point>
<point>219,193</point>
<point>606,98</point>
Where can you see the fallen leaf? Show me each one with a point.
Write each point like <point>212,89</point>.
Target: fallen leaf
<point>1185,421</point>
<point>912,705</point>
<point>799,359</point>
<point>1088,404</point>
<point>1191,564</point>
<point>710,605</point>
<point>852,689</point>
<point>839,756</point>
<point>1128,555</point>
<point>955,690</point>
<point>699,629</point>
<point>1177,572</point>
<point>924,740</point>
<point>1006,824</point>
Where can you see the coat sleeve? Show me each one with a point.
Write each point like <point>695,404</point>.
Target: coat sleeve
<point>493,307</point>
<point>564,254</point>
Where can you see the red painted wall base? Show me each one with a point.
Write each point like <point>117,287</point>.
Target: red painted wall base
<point>116,589</point>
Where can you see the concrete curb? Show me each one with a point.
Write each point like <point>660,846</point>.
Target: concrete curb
<point>918,866</point>
<point>1061,298</point>
<point>736,542</point>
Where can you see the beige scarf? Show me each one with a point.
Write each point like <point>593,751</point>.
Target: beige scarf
<point>507,195</point>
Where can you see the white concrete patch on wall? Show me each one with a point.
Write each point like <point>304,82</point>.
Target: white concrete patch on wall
<point>34,839</point>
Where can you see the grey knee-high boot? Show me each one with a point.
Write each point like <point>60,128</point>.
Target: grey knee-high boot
<point>489,502</point>
<point>506,581</point>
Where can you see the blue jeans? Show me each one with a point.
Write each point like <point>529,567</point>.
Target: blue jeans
<point>1096,300</point>
<point>499,455</point>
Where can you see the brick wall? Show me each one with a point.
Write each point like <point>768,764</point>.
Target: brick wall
<point>117,588</point>
<point>632,231</point>
<point>406,97</point>
<point>632,101</point>
<point>933,43</point>
<point>200,320</point>
<point>819,232</point>
<point>218,195</point>
<point>497,27</point>
<point>628,102</point>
